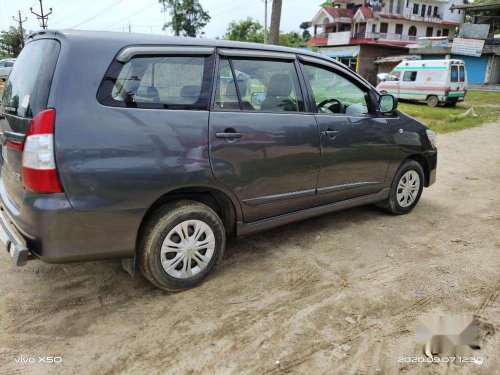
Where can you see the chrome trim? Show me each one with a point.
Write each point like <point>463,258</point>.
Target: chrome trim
<point>279,197</point>
<point>332,189</point>
<point>128,52</point>
<point>256,53</point>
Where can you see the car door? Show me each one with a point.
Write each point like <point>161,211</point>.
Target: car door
<point>454,81</point>
<point>355,146</point>
<point>263,144</point>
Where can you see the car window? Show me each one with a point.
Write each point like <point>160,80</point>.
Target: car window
<point>263,85</point>
<point>9,64</point>
<point>462,73</point>
<point>27,90</point>
<point>1,65</point>
<point>454,73</point>
<point>393,76</point>
<point>410,76</point>
<point>168,82</point>
<point>334,94</point>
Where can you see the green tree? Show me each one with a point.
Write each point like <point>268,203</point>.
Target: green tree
<point>11,42</point>
<point>188,17</point>
<point>291,39</point>
<point>246,30</point>
<point>306,35</point>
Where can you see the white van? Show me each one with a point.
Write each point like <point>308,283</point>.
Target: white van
<point>435,81</point>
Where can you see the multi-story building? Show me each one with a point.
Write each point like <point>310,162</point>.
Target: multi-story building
<point>358,31</point>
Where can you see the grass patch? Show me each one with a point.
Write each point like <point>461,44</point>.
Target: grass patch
<point>486,106</point>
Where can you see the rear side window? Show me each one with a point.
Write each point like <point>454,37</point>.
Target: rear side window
<point>454,73</point>
<point>163,82</point>
<point>27,89</point>
<point>9,64</point>
<point>462,73</point>
<point>410,76</point>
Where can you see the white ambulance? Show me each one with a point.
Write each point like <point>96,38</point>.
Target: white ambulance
<point>433,81</point>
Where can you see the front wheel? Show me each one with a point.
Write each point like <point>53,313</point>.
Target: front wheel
<point>181,245</point>
<point>406,188</point>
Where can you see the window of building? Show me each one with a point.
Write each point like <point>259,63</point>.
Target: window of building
<point>262,85</point>
<point>374,28</point>
<point>446,32</point>
<point>412,31</point>
<point>383,27</point>
<point>415,8</point>
<point>438,33</point>
<point>422,12</point>
<point>429,10</point>
<point>429,31</point>
<point>399,29</point>
<point>435,11</point>
<point>410,76</point>
<point>407,3</point>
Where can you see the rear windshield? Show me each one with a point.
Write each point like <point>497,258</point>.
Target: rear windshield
<point>27,89</point>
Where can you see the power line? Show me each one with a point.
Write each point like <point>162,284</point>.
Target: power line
<point>42,18</point>
<point>98,14</point>
<point>130,15</point>
<point>20,21</point>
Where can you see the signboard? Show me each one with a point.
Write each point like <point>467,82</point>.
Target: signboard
<point>477,31</point>
<point>347,51</point>
<point>467,47</point>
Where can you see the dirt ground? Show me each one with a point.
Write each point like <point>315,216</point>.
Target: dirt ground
<point>335,294</point>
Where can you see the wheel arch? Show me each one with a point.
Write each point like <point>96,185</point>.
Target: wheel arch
<point>214,198</point>
<point>422,160</point>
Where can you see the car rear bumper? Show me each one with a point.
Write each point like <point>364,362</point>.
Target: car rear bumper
<point>47,227</point>
<point>14,243</point>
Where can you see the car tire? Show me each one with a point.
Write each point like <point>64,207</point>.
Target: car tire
<point>406,188</point>
<point>181,244</point>
<point>432,101</point>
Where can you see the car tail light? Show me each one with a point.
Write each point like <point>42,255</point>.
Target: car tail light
<point>39,166</point>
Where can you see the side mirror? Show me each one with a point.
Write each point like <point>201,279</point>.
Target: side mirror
<point>387,103</point>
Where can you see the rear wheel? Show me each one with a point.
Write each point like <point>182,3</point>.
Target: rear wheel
<point>432,101</point>
<point>182,243</point>
<point>406,188</point>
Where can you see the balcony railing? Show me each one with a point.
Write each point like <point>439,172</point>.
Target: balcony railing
<point>386,36</point>
<point>434,17</point>
<point>387,9</point>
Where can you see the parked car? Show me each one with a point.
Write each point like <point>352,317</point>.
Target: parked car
<point>433,81</point>
<point>5,68</point>
<point>156,157</point>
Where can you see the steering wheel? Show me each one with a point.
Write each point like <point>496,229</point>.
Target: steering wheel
<point>323,109</point>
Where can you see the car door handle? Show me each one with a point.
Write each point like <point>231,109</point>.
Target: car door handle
<point>330,133</point>
<point>229,134</point>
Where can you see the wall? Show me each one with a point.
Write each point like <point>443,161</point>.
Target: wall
<point>367,56</point>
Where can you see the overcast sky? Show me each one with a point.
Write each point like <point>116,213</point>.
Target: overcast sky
<point>145,15</point>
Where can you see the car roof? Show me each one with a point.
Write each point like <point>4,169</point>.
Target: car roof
<point>127,39</point>
<point>122,39</point>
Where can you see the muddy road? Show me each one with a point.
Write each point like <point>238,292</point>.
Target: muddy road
<point>334,294</point>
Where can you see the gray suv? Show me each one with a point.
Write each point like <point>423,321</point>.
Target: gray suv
<point>156,149</point>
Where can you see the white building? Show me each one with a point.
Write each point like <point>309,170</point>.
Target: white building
<point>397,22</point>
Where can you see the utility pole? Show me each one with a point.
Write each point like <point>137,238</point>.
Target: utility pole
<point>129,27</point>
<point>265,20</point>
<point>42,18</point>
<point>274,30</point>
<point>20,21</point>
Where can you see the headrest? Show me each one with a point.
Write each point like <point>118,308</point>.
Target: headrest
<point>190,91</point>
<point>279,85</point>
<point>231,89</point>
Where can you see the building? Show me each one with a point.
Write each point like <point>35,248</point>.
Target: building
<point>476,43</point>
<point>357,32</point>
